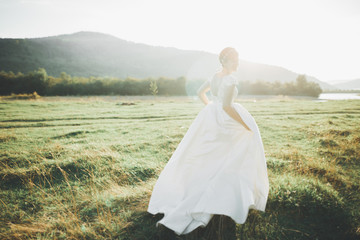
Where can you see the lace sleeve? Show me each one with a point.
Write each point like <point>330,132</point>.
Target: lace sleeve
<point>229,91</point>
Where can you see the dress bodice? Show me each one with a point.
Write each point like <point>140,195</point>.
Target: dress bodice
<point>223,89</point>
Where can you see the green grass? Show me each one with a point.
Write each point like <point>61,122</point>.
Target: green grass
<point>84,168</point>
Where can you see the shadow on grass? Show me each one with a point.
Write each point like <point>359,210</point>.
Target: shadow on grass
<point>144,227</point>
<point>278,222</point>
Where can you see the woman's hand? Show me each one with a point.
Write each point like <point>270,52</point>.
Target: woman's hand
<point>245,126</point>
<point>201,92</point>
<point>203,97</point>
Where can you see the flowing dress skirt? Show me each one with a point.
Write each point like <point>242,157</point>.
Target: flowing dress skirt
<point>218,168</point>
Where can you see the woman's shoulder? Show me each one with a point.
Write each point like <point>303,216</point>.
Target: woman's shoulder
<point>230,79</point>
<point>221,75</point>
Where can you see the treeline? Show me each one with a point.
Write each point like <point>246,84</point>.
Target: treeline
<point>65,85</point>
<point>300,87</point>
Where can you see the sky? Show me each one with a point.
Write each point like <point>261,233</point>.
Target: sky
<point>319,38</point>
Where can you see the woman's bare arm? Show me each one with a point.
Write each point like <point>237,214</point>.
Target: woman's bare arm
<point>229,109</point>
<point>235,115</point>
<point>201,92</point>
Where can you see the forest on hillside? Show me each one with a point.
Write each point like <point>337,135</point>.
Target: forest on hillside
<point>66,85</point>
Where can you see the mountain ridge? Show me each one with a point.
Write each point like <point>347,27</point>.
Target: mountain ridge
<point>88,54</point>
<point>349,84</point>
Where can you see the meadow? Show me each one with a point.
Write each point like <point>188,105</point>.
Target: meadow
<point>84,168</point>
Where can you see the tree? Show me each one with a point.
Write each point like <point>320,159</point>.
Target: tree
<point>153,87</point>
<point>65,77</point>
<point>301,81</point>
<point>303,87</point>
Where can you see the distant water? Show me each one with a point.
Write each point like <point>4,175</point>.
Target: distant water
<point>338,96</point>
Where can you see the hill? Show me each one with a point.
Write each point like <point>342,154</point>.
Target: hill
<point>97,54</point>
<point>350,84</point>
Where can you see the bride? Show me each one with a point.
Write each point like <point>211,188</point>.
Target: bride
<point>219,167</point>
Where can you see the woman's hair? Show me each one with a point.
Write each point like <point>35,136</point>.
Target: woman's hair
<point>226,53</point>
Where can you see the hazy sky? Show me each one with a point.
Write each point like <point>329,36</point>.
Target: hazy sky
<point>320,38</point>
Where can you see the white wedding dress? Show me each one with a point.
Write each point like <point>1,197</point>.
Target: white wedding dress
<point>219,167</point>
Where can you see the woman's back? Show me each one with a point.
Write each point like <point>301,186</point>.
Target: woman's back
<point>222,88</point>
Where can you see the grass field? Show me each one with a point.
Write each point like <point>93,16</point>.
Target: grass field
<point>84,168</point>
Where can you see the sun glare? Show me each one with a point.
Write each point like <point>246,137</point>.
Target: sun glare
<point>317,37</point>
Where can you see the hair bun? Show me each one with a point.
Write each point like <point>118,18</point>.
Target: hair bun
<point>225,53</point>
